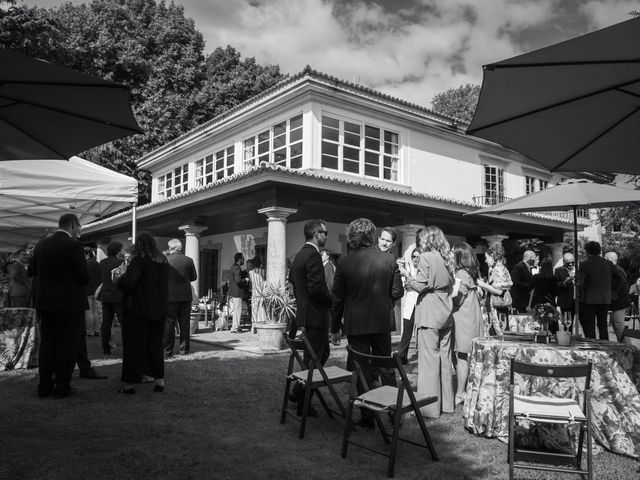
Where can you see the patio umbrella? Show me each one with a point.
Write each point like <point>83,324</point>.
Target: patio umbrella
<point>570,195</point>
<point>50,112</point>
<point>573,106</point>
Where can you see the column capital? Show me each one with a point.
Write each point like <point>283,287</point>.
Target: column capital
<point>277,213</point>
<point>408,228</point>
<point>492,239</point>
<point>195,230</point>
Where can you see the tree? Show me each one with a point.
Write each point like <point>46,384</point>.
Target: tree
<point>458,102</point>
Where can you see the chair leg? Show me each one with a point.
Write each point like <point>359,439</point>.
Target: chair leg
<point>425,434</point>
<point>305,410</point>
<point>323,402</point>
<point>581,435</point>
<point>285,404</point>
<point>336,399</point>
<point>347,429</point>
<point>589,466</point>
<point>383,431</point>
<point>394,444</point>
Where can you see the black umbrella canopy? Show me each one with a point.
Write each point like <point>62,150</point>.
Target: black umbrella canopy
<point>570,107</point>
<point>51,112</point>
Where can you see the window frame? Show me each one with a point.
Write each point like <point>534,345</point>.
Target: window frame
<point>183,186</point>
<point>262,144</point>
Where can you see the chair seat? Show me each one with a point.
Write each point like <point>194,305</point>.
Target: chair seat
<point>547,409</point>
<point>385,397</point>
<point>334,374</point>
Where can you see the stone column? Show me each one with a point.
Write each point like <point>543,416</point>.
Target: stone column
<point>556,252</point>
<point>408,235</point>
<point>192,249</point>
<point>276,242</point>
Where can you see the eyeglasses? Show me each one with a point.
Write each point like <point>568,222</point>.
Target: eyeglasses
<point>570,264</point>
<point>415,256</point>
<point>323,231</point>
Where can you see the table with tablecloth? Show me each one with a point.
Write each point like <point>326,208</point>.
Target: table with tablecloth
<point>615,383</point>
<point>19,338</point>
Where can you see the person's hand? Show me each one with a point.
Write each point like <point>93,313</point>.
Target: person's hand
<point>334,338</point>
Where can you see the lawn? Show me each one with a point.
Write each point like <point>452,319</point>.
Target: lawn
<point>219,419</point>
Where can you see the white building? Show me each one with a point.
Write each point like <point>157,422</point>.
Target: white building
<point>316,146</point>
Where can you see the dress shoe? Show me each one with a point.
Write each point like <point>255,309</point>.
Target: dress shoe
<point>63,392</point>
<point>92,375</point>
<point>127,391</point>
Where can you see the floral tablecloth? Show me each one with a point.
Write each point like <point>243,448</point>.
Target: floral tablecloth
<point>615,383</point>
<point>19,338</point>
<point>523,324</point>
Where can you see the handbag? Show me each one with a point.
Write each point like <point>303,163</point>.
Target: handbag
<point>503,301</point>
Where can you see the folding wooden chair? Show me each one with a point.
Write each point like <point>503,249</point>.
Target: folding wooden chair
<point>631,336</point>
<point>312,379</point>
<point>632,314</point>
<point>549,410</point>
<point>396,401</point>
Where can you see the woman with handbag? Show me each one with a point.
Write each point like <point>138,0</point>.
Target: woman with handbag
<point>498,285</point>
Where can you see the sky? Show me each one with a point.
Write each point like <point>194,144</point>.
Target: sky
<point>410,49</point>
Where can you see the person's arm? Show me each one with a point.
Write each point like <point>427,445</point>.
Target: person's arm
<point>463,289</point>
<point>420,281</point>
<point>78,263</point>
<point>316,284</point>
<point>397,289</point>
<point>338,295</point>
<point>490,288</point>
<point>131,277</point>
<point>194,274</point>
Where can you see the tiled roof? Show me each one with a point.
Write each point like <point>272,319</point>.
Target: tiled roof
<point>362,90</point>
<point>311,174</point>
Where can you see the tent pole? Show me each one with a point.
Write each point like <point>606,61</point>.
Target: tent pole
<point>133,223</point>
<point>575,280</point>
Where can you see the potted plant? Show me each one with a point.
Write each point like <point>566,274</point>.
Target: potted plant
<point>279,305</point>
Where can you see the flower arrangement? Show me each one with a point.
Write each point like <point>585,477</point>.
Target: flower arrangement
<point>205,303</point>
<point>543,313</point>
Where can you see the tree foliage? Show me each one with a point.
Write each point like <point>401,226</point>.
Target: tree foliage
<point>458,102</point>
<point>149,46</point>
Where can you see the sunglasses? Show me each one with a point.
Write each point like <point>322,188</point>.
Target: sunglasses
<point>570,264</point>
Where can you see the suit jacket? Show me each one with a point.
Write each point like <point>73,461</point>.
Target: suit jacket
<point>565,288</point>
<point>522,286</point>
<point>366,284</point>
<point>62,273</point>
<point>95,276</point>
<point>182,272</point>
<point>237,282</point>
<point>146,288</point>
<point>313,299</point>
<point>596,278</point>
<point>19,281</point>
<point>109,293</point>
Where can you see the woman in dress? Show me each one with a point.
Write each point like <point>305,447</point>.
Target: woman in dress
<point>467,312</point>
<point>256,276</point>
<point>145,286</point>
<point>498,284</point>
<point>434,282</point>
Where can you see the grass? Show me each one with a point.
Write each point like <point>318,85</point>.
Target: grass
<point>219,419</point>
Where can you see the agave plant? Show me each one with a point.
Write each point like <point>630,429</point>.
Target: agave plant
<point>278,301</point>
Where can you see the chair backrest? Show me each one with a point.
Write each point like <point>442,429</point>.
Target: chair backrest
<point>391,362</point>
<point>297,345</point>
<point>631,336</point>
<point>552,371</point>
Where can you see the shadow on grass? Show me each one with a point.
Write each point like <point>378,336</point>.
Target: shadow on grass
<point>218,418</point>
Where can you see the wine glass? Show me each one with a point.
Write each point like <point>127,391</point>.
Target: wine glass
<point>566,321</point>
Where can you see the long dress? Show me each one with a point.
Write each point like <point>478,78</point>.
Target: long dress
<point>258,312</point>
<point>467,313</point>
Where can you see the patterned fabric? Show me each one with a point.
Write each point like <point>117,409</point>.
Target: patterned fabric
<point>19,338</point>
<point>615,401</point>
<point>523,324</point>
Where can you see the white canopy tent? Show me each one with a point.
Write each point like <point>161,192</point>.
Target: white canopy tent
<point>34,193</point>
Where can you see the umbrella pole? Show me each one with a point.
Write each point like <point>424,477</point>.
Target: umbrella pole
<point>575,280</point>
<point>133,223</point>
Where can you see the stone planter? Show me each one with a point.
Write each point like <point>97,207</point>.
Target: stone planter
<point>270,336</point>
<point>194,323</point>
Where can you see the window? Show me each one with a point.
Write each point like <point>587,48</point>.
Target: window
<point>214,167</point>
<point>359,148</point>
<point>281,145</point>
<point>543,184</point>
<point>493,185</point>
<point>174,182</point>
<point>529,185</point>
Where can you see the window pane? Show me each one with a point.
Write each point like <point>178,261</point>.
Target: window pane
<point>295,122</point>
<point>230,171</point>
<point>296,162</point>
<point>330,122</point>
<point>351,167</point>
<point>296,135</point>
<point>372,158</point>
<point>329,149</point>
<point>330,134</point>
<point>372,144</point>
<point>391,137</point>
<point>352,128</point>
<point>351,153</point>
<point>391,148</point>
<point>280,156</point>
<point>220,164</point>
<point>352,139</point>
<point>279,142</point>
<point>263,137</point>
<point>372,132</point>
<point>279,129</point>
<point>295,150</point>
<point>371,170</point>
<point>330,162</point>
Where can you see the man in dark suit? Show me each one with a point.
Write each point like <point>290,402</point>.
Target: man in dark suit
<point>313,299</point>
<point>366,284</point>
<point>596,279</point>
<point>182,272</point>
<point>62,273</point>
<point>565,276</point>
<point>110,295</point>
<point>522,282</point>
<point>238,285</point>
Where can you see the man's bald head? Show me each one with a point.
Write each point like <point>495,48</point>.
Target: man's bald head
<point>528,255</point>
<point>568,258</point>
<point>612,257</point>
